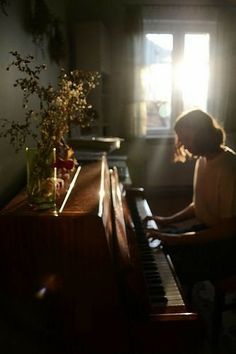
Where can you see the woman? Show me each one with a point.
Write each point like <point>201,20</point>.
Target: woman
<point>204,250</point>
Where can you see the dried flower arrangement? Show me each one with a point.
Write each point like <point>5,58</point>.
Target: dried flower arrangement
<point>57,108</point>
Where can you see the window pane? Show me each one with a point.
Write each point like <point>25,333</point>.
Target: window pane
<point>195,71</point>
<point>157,80</point>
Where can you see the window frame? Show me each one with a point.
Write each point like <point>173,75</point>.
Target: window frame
<point>178,28</point>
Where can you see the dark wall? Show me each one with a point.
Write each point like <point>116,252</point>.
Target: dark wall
<point>15,36</point>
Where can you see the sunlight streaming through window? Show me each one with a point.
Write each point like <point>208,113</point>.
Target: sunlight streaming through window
<point>195,71</point>
<point>158,76</point>
<point>157,79</point>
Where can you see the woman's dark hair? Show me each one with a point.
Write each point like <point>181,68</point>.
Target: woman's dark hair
<point>209,136</point>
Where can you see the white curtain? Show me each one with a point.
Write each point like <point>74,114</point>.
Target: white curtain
<point>224,99</point>
<point>134,105</point>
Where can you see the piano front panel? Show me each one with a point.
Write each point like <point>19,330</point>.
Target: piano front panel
<point>66,258</point>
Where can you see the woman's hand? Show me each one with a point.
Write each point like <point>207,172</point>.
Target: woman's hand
<point>173,238</point>
<point>165,238</point>
<point>160,220</point>
<point>184,214</point>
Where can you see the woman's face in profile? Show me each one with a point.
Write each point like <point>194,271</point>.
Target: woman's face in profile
<point>186,138</point>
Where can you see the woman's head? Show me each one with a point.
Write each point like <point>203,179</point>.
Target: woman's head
<point>197,134</point>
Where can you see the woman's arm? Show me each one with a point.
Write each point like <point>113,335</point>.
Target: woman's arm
<point>224,229</point>
<point>184,214</point>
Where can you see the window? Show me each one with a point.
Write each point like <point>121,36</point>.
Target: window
<point>176,71</point>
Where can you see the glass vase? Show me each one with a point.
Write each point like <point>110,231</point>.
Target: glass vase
<point>41,178</point>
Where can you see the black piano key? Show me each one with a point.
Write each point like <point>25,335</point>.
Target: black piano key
<point>155,299</point>
<point>149,266</point>
<point>153,278</point>
<point>155,290</point>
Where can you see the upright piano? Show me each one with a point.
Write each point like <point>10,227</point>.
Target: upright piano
<point>83,279</point>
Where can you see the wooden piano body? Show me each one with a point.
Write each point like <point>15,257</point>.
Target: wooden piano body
<point>72,274</point>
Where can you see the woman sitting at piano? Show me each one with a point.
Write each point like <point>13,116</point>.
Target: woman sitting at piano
<point>206,250</point>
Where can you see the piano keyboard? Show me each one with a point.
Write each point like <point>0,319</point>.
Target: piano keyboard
<point>162,285</point>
